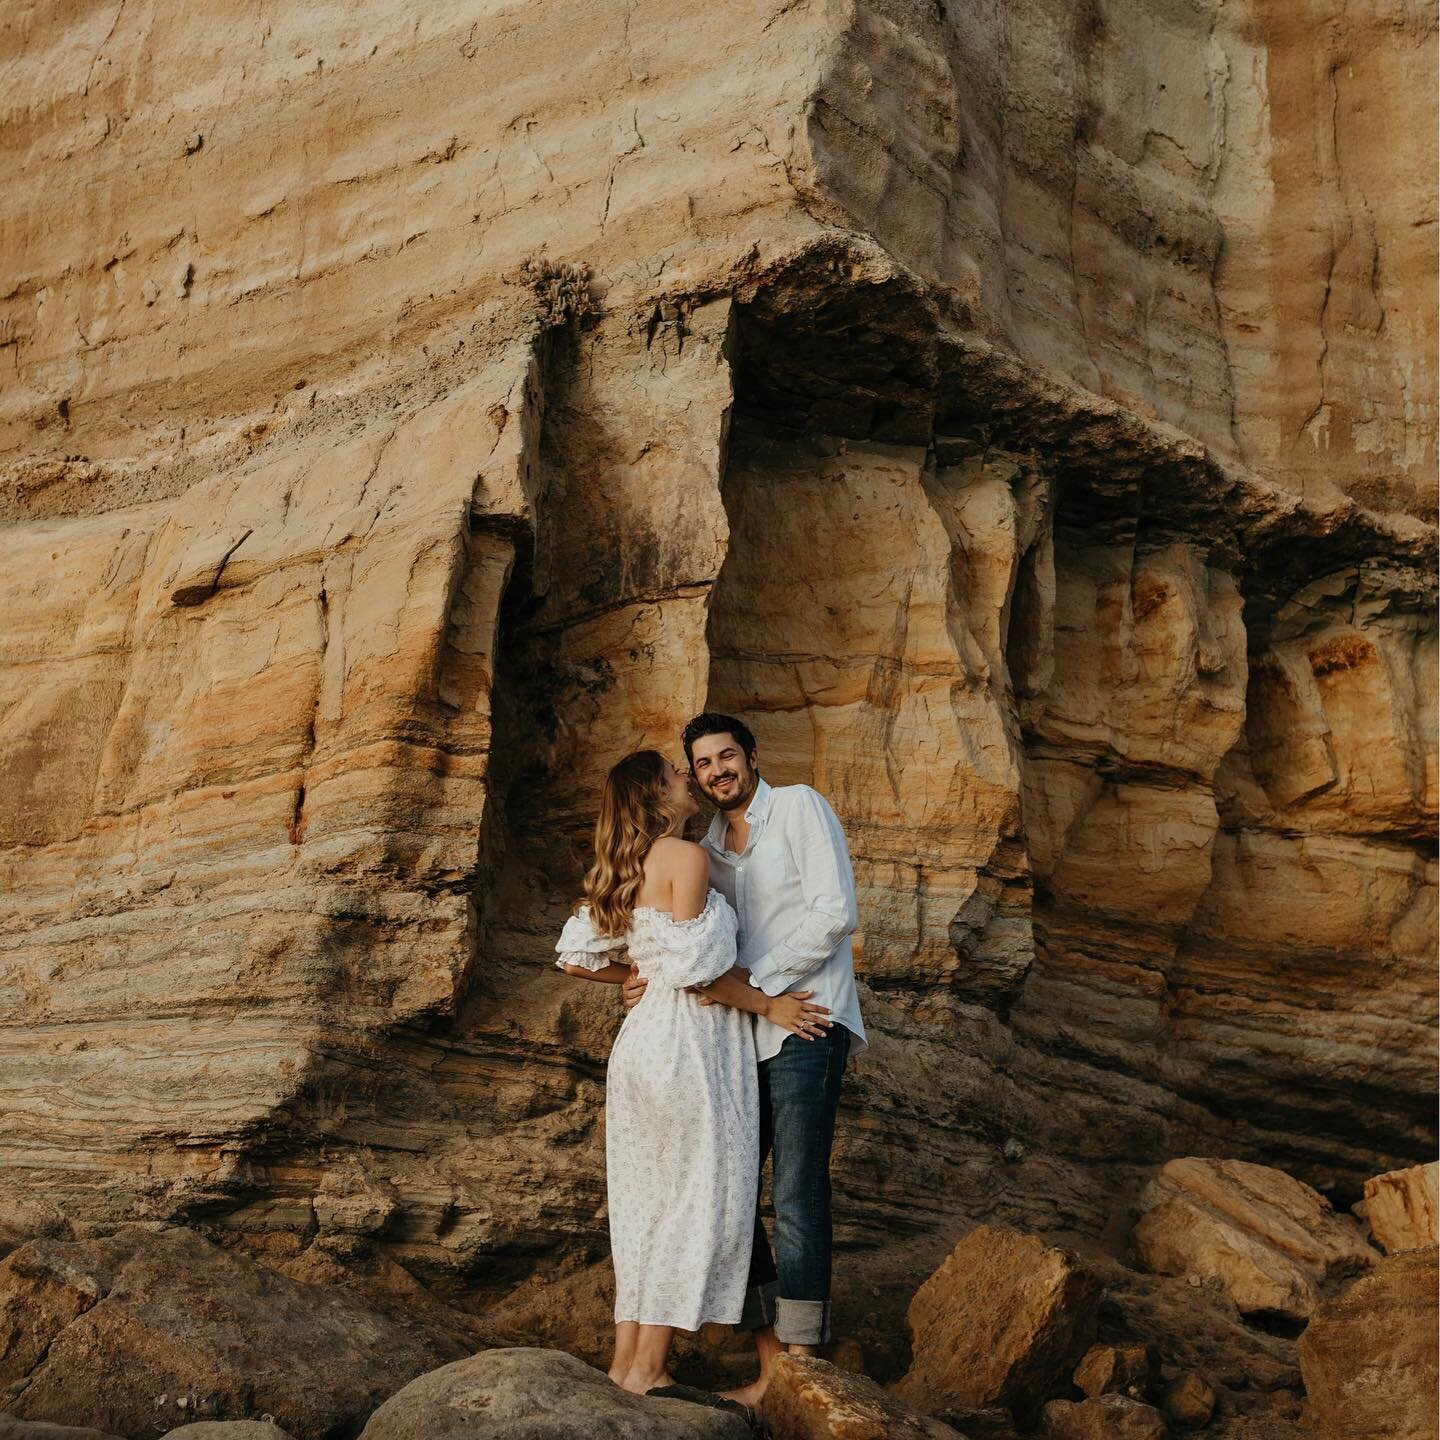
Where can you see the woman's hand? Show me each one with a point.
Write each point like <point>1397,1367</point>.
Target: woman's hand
<point>792,1012</point>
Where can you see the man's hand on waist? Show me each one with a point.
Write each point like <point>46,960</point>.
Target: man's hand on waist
<point>633,988</point>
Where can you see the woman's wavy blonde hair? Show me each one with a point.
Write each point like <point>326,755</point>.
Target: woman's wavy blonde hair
<point>634,814</point>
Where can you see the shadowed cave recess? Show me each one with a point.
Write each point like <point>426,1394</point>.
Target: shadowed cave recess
<point>1099,717</point>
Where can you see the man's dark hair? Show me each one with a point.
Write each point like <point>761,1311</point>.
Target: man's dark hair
<point>713,723</point>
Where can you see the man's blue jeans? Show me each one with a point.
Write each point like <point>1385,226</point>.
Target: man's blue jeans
<point>799,1095</point>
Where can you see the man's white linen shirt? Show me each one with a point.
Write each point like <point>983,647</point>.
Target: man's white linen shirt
<point>794,893</point>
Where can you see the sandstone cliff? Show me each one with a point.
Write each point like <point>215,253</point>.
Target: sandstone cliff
<point>1024,414</point>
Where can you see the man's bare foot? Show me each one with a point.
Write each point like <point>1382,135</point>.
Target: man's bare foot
<point>748,1395</point>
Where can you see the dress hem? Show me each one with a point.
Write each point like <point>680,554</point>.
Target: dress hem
<point>680,1324</point>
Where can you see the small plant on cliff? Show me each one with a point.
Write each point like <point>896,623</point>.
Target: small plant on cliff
<point>562,288</point>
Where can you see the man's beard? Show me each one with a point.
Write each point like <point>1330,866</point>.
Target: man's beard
<point>734,798</point>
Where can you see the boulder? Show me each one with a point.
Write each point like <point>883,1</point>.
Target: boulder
<point>28,1218</point>
<point>992,1423</point>
<point>520,1394</point>
<point>998,1324</point>
<point>44,1286</point>
<point>1271,1241</point>
<point>1196,1327</point>
<point>147,1328</point>
<point>13,1428</point>
<point>1400,1208</point>
<point>1369,1354</point>
<point>1127,1369</point>
<point>809,1399</point>
<point>1188,1401</point>
<point>229,1430</point>
<point>1102,1417</point>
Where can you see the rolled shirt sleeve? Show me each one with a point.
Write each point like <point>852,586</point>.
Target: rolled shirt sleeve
<point>817,847</point>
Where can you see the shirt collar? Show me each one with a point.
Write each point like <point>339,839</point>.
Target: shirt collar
<point>759,805</point>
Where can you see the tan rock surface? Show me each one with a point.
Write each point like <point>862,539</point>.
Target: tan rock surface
<point>808,1399</point>
<point>1318,246</point>
<point>1170,205</point>
<point>230,1430</point>
<point>999,1323</point>
<point>1400,1208</point>
<point>13,1429</point>
<point>985,403</point>
<point>1188,1401</point>
<point>1271,1241</point>
<point>1369,1354</point>
<point>1127,1369</point>
<point>1196,1329</point>
<point>162,1325</point>
<point>1102,1417</point>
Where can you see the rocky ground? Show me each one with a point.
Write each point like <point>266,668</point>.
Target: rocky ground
<point>158,1330</point>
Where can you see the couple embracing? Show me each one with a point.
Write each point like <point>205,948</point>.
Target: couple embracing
<point>723,1058</point>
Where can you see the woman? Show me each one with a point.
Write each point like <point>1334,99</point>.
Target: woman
<point>682,1110</point>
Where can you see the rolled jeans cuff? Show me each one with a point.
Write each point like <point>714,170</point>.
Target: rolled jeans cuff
<point>759,1308</point>
<point>802,1322</point>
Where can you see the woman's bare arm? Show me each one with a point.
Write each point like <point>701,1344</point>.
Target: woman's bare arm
<point>734,989</point>
<point>791,1011</point>
<point>612,974</point>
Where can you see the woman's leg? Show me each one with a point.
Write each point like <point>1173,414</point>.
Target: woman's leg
<point>652,1352</point>
<point>627,1332</point>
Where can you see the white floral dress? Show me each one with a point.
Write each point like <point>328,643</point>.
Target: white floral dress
<point>682,1121</point>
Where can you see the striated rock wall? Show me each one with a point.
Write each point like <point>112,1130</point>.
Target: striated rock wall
<point>1215,213</point>
<point>1024,416</point>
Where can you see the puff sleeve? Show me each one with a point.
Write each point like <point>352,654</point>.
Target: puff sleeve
<point>695,952</point>
<point>581,944</point>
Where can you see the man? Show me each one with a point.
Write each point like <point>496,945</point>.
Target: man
<point>778,855</point>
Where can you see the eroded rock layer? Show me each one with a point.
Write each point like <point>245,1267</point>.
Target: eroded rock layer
<point>1024,418</point>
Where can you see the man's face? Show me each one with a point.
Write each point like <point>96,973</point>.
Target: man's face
<point>722,770</point>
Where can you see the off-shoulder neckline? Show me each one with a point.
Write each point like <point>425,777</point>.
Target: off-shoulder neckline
<point>654,910</point>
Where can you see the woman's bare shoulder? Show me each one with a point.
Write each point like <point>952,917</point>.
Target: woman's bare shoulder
<point>670,855</point>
